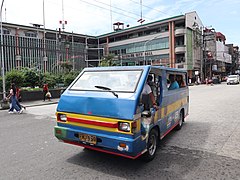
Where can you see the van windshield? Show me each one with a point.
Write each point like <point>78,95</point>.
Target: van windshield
<point>117,81</point>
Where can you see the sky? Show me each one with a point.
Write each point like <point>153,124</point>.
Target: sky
<point>95,17</point>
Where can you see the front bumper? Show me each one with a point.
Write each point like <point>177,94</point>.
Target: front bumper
<point>105,142</point>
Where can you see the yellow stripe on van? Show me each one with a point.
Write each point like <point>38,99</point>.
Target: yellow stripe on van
<point>173,107</point>
<point>97,119</point>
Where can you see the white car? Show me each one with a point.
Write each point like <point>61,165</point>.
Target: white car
<point>233,79</point>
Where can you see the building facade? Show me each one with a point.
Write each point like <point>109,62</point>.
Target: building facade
<point>178,42</point>
<point>218,58</point>
<point>175,42</point>
<point>46,50</point>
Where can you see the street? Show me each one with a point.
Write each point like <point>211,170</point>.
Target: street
<point>207,146</point>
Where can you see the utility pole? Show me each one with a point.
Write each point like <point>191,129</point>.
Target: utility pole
<point>44,41</point>
<point>2,57</point>
<point>73,58</point>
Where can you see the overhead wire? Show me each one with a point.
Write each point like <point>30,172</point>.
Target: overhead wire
<point>121,9</point>
<point>151,8</point>
<point>108,9</point>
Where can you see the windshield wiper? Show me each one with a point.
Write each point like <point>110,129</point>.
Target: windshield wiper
<point>106,89</point>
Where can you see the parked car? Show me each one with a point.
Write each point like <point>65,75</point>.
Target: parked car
<point>233,79</point>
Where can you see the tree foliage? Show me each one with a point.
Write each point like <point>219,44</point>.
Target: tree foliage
<point>50,79</point>
<point>31,78</point>
<point>66,67</point>
<point>68,78</point>
<point>28,77</point>
<point>108,60</point>
<point>14,76</point>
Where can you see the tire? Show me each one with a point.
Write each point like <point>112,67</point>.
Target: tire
<point>151,146</point>
<point>181,120</point>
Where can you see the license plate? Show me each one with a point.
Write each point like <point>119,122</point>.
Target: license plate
<point>88,138</point>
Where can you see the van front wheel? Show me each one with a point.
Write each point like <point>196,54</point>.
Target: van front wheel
<point>151,145</point>
<point>180,122</point>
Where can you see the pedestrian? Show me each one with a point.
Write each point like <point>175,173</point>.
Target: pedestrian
<point>19,98</point>
<point>13,99</point>
<point>48,96</point>
<point>45,91</point>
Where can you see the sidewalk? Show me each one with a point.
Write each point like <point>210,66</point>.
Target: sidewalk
<point>40,102</point>
<point>36,103</point>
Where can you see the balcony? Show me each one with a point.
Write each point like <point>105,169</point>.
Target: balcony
<point>180,31</point>
<point>180,49</point>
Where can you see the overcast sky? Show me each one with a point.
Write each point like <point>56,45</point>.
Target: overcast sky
<point>95,17</point>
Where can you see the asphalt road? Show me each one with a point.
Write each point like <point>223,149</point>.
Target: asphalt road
<point>207,146</point>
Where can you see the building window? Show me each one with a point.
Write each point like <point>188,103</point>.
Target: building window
<point>180,58</point>
<point>179,41</point>
<point>31,34</point>
<point>5,31</point>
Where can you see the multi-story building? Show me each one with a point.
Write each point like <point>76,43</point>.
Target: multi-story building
<point>174,42</point>
<point>45,49</point>
<point>234,52</point>
<point>217,60</point>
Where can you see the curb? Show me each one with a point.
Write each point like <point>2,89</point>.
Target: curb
<point>40,104</point>
<point>31,105</point>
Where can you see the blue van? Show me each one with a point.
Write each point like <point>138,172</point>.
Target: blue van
<point>105,109</point>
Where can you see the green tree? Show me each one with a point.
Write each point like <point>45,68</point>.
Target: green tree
<point>50,79</point>
<point>31,78</point>
<point>66,67</point>
<point>108,60</point>
<point>59,78</point>
<point>14,76</point>
<point>68,78</point>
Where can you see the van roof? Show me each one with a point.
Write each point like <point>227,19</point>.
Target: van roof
<point>132,68</point>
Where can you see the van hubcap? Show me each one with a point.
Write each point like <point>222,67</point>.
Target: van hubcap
<point>152,145</point>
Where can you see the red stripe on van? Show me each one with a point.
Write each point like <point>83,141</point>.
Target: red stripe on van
<point>92,122</point>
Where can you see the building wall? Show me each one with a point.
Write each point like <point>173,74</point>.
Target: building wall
<point>169,42</point>
<point>23,46</point>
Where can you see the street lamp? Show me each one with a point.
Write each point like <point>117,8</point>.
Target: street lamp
<point>2,57</point>
<point>145,44</point>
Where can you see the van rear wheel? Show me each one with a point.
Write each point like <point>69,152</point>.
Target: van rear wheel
<point>151,146</point>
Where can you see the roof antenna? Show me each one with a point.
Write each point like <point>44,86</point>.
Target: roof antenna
<point>111,14</point>
<point>5,13</point>
<point>141,20</point>
<point>63,22</point>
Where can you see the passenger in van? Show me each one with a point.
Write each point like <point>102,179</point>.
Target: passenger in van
<point>173,83</point>
<point>180,81</point>
<point>148,91</point>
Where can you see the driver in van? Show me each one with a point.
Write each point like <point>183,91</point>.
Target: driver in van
<point>148,91</point>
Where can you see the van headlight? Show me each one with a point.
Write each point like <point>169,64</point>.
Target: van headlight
<point>124,126</point>
<point>62,117</point>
